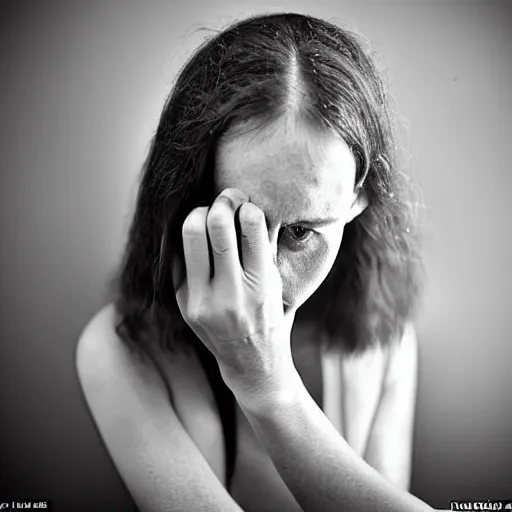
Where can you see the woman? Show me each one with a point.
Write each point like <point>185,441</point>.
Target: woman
<point>271,181</point>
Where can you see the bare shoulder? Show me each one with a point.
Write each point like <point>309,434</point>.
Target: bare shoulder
<point>101,357</point>
<point>99,347</point>
<point>160,462</point>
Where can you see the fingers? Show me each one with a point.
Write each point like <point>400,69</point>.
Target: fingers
<point>255,247</point>
<point>195,248</point>
<point>215,229</point>
<point>222,234</point>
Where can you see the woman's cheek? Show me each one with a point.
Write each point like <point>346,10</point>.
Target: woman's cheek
<point>302,272</point>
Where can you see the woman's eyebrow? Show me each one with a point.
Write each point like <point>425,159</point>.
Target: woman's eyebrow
<point>318,222</point>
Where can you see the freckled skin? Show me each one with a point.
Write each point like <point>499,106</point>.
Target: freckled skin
<point>294,173</point>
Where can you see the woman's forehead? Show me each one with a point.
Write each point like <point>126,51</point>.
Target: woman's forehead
<point>289,170</point>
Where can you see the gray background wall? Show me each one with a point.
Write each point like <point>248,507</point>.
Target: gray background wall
<point>81,90</point>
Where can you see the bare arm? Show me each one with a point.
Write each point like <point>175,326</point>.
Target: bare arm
<point>316,463</point>
<point>389,448</point>
<point>238,314</point>
<point>156,458</point>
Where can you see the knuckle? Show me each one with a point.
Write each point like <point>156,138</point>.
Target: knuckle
<point>251,215</point>
<point>194,224</point>
<point>220,250</point>
<point>193,317</point>
<point>218,219</point>
<point>226,200</point>
<point>236,316</point>
<point>191,229</point>
<point>197,314</point>
<point>234,196</point>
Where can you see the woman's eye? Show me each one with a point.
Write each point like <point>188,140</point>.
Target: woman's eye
<point>300,233</point>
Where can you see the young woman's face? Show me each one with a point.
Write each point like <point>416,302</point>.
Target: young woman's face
<point>303,181</point>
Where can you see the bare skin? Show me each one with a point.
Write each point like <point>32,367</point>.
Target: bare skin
<point>291,234</point>
<point>166,406</point>
<point>249,334</point>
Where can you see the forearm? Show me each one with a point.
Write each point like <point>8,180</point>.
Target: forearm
<point>316,463</point>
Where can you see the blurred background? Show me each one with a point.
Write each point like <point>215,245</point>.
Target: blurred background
<point>81,91</point>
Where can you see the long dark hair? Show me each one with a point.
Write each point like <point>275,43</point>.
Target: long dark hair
<point>240,74</point>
